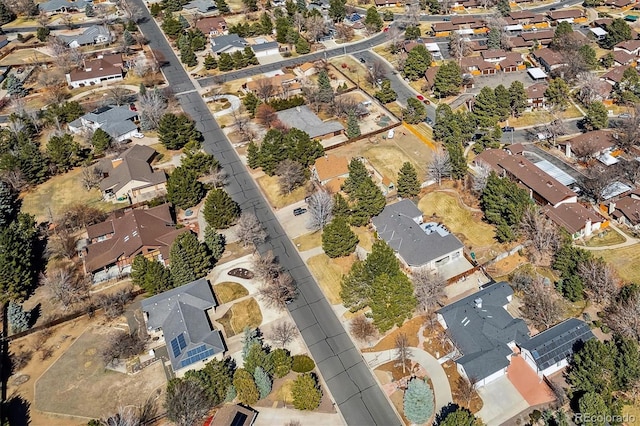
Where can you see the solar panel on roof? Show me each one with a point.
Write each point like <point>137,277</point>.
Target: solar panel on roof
<point>177,345</point>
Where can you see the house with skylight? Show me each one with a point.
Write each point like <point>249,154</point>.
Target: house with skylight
<point>181,317</point>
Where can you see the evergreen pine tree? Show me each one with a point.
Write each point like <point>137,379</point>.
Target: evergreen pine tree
<point>357,175</point>
<point>18,242</point>
<point>190,259</point>
<point>239,60</point>
<point>369,202</point>
<point>493,38</point>
<point>302,46</point>
<point>215,242</point>
<point>281,361</point>
<point>245,386</point>
<point>392,300</point>
<point>338,239</point>
<point>222,6</point>
<point>337,10</point>
<point>408,184</point>
<point>418,401</point>
<point>18,318</point>
<point>373,21</point>
<point>353,127</point>
<point>101,141</point>
<point>448,79</point>
<point>184,189</point>
<point>503,7</point>
<point>9,204</point>
<point>183,22</point>
<point>128,38</point>
<point>325,91</point>
<point>188,57</point>
<point>157,278</point>
<point>263,382</point>
<point>417,62</point>
<point>250,56</point>
<point>220,211</point>
<point>143,90</point>
<point>251,103</point>
<point>340,207</point>
<point>210,62</point>
<point>485,108</point>
<point>306,393</point>
<point>15,87</point>
<point>171,26</point>
<point>6,15</point>
<point>63,152</point>
<point>518,98</point>
<point>266,24</point>
<point>386,94</point>
<point>253,155</point>
<point>31,161</point>
<point>225,62</point>
<point>503,102</point>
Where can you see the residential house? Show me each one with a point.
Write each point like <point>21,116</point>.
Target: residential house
<point>105,68</point>
<point>542,187</point>
<point>576,219</point>
<point>385,3</point>
<point>549,351</point>
<point>602,22</point>
<point>130,176</point>
<point>626,210</point>
<point>632,47</point>
<point>212,26</point>
<point>590,144</point>
<point>620,4</point>
<point>483,332</point>
<point>622,58</point>
<point>615,75</point>
<point>329,168</point>
<point>117,121</point>
<point>543,38</point>
<point>228,44</point>
<point>535,96</point>
<point>430,77</point>
<point>202,6</point>
<point>494,56</point>
<point>572,16</point>
<point>96,34</point>
<point>416,243</point>
<point>512,62</point>
<point>265,48</point>
<point>114,243</point>
<point>306,70</point>
<point>475,65</point>
<point>549,59</point>
<point>62,6</point>
<point>529,20</point>
<point>182,316</point>
<point>598,33</point>
<point>280,86</point>
<point>234,415</point>
<point>304,119</point>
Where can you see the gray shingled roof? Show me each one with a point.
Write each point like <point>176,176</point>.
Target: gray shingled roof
<point>135,166</point>
<point>55,5</point>
<point>264,46</point>
<point>482,334</point>
<point>304,119</point>
<point>181,314</point>
<point>88,36</point>
<point>396,226</point>
<point>203,6</point>
<point>557,343</point>
<point>221,43</point>
<point>111,114</point>
<point>119,128</point>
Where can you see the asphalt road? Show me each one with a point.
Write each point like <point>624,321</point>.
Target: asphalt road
<point>349,379</point>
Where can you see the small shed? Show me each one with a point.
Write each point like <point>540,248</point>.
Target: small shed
<point>536,73</point>
<point>598,33</point>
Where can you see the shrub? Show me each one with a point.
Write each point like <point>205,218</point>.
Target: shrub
<point>302,364</point>
<point>282,104</point>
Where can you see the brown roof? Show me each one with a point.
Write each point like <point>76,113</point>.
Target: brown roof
<point>277,81</point>
<point>306,66</point>
<point>602,22</point>
<point>516,148</point>
<point>521,14</point>
<point>331,166</point>
<point>235,415</point>
<point>211,23</point>
<point>476,62</point>
<point>628,45</point>
<point>523,170</point>
<point>443,26</point>
<point>598,140</point>
<point>619,3</point>
<point>549,56</point>
<point>494,54</point>
<point>536,91</point>
<point>538,35</point>
<point>132,230</point>
<point>106,66</point>
<point>622,57</point>
<point>463,20</point>
<point>630,208</point>
<point>135,165</point>
<point>572,216</point>
<point>615,74</point>
<point>430,75</point>
<point>513,59</point>
<point>566,14</point>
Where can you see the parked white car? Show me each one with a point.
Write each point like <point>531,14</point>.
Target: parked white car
<point>138,135</point>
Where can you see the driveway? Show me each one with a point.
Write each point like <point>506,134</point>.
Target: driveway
<point>501,401</point>
<point>534,390</point>
<point>294,226</point>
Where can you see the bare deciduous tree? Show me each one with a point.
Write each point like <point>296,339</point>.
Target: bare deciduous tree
<point>429,288</point>
<point>594,185</point>
<point>265,267</point>
<point>439,166</point>
<point>541,306</point>
<point>113,304</point>
<point>122,345</point>
<point>344,32</point>
<point>585,150</point>
<point>403,351</point>
<point>283,333</point>
<point>250,230</point>
<point>320,210</point>
<point>65,285</point>
<point>125,416</point>
<point>466,389</point>
<point>480,177</point>
<point>600,280</point>
<point>459,47</point>
<point>629,130</point>
<point>290,175</point>
<point>152,107</point>
<point>623,317</point>
<point>186,402</point>
<point>588,83</point>
<point>265,89</point>
<point>316,27</point>
<point>118,95</point>
<point>278,292</point>
<point>541,233</point>
<point>62,245</point>
<point>91,177</point>
<point>241,121</point>
<point>362,329</point>
<point>266,115</point>
<point>376,72</point>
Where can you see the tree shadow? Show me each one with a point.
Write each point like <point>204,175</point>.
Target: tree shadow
<point>17,411</point>
<point>445,411</point>
<point>34,314</point>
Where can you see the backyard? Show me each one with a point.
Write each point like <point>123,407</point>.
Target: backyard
<point>60,192</point>
<point>77,383</point>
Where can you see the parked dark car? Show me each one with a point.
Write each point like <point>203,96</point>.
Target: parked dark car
<point>363,60</point>
<point>298,211</point>
<point>428,121</point>
<point>508,129</point>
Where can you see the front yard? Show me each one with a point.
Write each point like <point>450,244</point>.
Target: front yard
<point>328,273</point>
<point>271,188</point>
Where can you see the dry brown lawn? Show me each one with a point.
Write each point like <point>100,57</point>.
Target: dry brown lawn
<point>271,188</point>
<point>25,56</point>
<point>242,314</point>
<point>164,154</point>
<point>328,272</point>
<point>365,236</point>
<point>76,384</point>
<point>453,376</point>
<point>60,192</point>
<point>229,291</point>
<point>625,261</point>
<point>389,156</point>
<point>609,237</point>
<point>410,328</point>
<point>308,241</point>
<point>446,208</point>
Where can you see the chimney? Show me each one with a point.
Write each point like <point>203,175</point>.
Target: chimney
<point>612,207</point>
<point>587,228</point>
<point>478,303</point>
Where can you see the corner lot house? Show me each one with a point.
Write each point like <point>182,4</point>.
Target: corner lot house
<point>304,119</point>
<point>117,121</point>
<point>97,71</point>
<point>62,6</point>
<point>416,243</point>
<point>114,243</point>
<point>181,315</point>
<point>130,176</point>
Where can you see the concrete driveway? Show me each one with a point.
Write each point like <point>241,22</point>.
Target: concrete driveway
<point>501,401</point>
<point>294,226</point>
